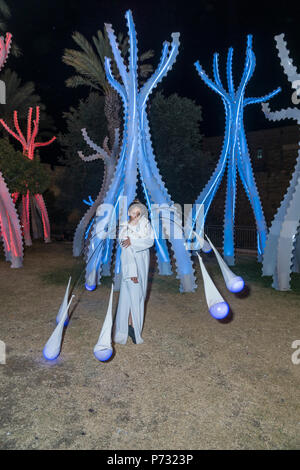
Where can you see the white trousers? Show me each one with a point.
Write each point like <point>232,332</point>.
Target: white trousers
<point>132,300</point>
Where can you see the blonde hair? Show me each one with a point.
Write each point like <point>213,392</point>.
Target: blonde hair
<point>143,209</point>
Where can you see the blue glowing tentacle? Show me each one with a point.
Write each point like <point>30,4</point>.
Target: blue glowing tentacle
<point>132,116</point>
<point>89,228</point>
<point>165,65</point>
<point>107,257</point>
<point>162,255</point>
<point>88,203</point>
<point>261,99</point>
<point>247,177</point>
<point>216,72</point>
<point>250,197</point>
<point>287,63</point>
<point>249,65</point>
<point>130,137</point>
<point>149,155</point>
<point>118,175</point>
<point>101,228</point>
<point>231,180</point>
<point>241,170</point>
<point>133,45</point>
<point>289,113</point>
<point>145,90</point>
<point>229,72</point>
<point>236,119</point>
<point>210,83</point>
<point>100,223</point>
<point>282,251</point>
<point>207,194</point>
<point>117,55</point>
<point>81,230</point>
<point>131,162</point>
<point>182,256</point>
<point>184,267</point>
<point>112,81</point>
<point>95,247</point>
<point>92,144</point>
<point>228,249</point>
<point>270,261</point>
<point>117,268</point>
<point>109,158</point>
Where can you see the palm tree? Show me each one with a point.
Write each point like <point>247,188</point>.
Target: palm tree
<point>5,14</point>
<point>89,65</point>
<point>21,97</point>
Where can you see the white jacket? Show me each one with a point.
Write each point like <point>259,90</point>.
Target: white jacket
<point>142,238</point>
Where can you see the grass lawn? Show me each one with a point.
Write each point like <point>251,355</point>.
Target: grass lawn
<point>195,382</point>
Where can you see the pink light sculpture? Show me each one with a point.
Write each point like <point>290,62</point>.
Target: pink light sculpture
<point>34,204</point>
<point>10,229</point>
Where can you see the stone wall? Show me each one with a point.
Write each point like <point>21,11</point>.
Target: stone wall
<point>273,155</point>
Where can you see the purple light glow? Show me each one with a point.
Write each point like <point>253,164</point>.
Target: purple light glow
<point>103,355</point>
<point>236,284</point>
<point>90,287</point>
<point>50,358</point>
<point>219,310</point>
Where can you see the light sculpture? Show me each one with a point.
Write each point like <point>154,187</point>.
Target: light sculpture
<point>34,204</point>
<point>103,349</point>
<point>109,158</point>
<point>235,155</point>
<point>136,156</point>
<point>10,230</point>
<point>52,348</point>
<point>282,252</point>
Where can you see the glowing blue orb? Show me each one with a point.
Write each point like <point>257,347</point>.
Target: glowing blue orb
<point>90,287</point>
<point>219,310</point>
<point>236,284</point>
<point>66,321</point>
<point>103,354</point>
<point>48,358</point>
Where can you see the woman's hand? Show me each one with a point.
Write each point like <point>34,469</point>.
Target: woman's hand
<point>134,279</point>
<point>126,243</point>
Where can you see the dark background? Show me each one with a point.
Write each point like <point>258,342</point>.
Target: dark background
<point>43,29</point>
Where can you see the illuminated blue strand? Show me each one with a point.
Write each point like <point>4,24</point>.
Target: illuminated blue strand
<point>234,154</point>
<point>137,155</point>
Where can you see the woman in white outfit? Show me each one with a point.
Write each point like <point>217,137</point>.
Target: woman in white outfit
<point>136,237</point>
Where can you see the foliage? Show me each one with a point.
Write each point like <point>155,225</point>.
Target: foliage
<point>20,173</point>
<point>21,97</point>
<point>5,14</point>
<point>81,179</point>
<point>89,62</point>
<point>176,137</point>
<point>174,123</point>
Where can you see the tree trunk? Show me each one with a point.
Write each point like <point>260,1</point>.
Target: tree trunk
<point>111,110</point>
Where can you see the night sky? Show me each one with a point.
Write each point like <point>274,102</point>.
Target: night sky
<point>43,29</point>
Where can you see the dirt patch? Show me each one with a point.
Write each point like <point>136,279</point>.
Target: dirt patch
<point>195,383</point>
